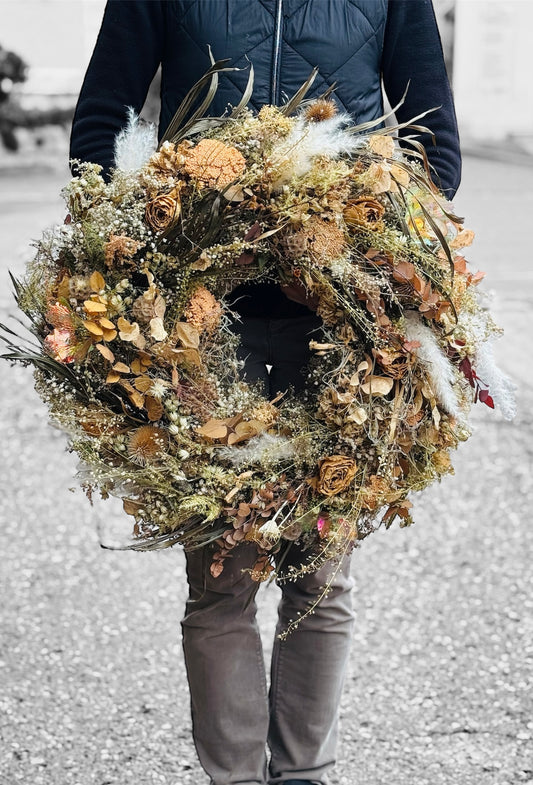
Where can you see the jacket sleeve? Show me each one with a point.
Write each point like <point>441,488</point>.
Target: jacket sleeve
<point>128,51</point>
<point>412,54</point>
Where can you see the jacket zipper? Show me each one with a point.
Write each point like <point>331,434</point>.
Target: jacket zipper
<point>276,55</point>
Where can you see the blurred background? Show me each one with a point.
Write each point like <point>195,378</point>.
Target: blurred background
<point>440,688</point>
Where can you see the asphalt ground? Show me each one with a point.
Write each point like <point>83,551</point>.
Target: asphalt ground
<point>439,692</point>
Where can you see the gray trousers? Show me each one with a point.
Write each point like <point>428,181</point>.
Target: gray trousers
<point>233,716</point>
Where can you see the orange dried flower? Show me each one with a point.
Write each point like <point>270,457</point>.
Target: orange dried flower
<point>214,164</point>
<point>59,316</point>
<point>204,310</point>
<point>58,344</point>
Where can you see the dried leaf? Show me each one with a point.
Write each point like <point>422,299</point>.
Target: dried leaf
<point>94,307</point>
<point>154,408</point>
<point>187,335</point>
<point>96,281</point>
<point>94,328</point>
<point>382,145</point>
<point>234,193</point>
<point>157,329</point>
<point>131,507</point>
<point>106,352</point>
<point>378,385</point>
<point>214,429</point>
<point>188,356</point>
<point>142,383</point>
<point>121,368</point>
<point>137,399</point>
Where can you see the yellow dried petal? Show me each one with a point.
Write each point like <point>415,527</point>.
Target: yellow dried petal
<point>94,307</point>
<point>109,335</point>
<point>121,368</point>
<point>112,377</point>
<point>94,328</point>
<point>106,352</point>
<point>378,385</point>
<point>106,324</point>
<point>142,383</point>
<point>96,281</point>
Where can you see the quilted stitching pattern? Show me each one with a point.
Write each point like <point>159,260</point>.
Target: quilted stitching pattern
<point>343,38</point>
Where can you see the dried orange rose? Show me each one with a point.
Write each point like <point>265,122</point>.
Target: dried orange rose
<point>163,211</point>
<point>336,472</point>
<point>364,211</point>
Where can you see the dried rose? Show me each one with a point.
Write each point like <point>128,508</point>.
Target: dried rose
<point>364,211</point>
<point>336,472</point>
<point>163,211</point>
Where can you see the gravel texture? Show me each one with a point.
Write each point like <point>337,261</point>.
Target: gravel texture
<point>92,683</point>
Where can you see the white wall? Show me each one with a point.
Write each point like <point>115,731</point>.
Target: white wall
<point>493,74</point>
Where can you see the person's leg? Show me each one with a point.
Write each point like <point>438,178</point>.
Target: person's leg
<point>221,642</point>
<point>308,669</point>
<point>308,666</point>
<point>289,351</point>
<point>225,669</point>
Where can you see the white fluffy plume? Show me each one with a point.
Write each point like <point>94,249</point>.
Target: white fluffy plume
<point>134,144</point>
<point>501,388</point>
<point>294,156</point>
<point>438,367</point>
<point>265,448</point>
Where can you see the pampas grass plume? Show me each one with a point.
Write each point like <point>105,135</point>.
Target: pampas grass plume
<point>438,367</point>
<point>134,144</point>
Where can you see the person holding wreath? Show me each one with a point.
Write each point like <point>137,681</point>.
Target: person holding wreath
<point>358,46</point>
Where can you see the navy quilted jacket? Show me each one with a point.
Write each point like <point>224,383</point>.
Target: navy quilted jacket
<point>353,42</point>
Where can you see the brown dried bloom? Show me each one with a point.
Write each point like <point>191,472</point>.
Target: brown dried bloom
<point>265,412</point>
<point>320,110</point>
<point>336,472</point>
<point>214,164</point>
<point>163,211</point>
<point>203,311</point>
<point>328,310</point>
<point>119,250</point>
<point>326,242</point>
<point>148,306</point>
<point>79,287</point>
<point>147,443</point>
<point>169,158</point>
<point>364,211</point>
<point>442,462</point>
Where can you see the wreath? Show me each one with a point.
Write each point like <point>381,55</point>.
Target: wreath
<point>135,357</point>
